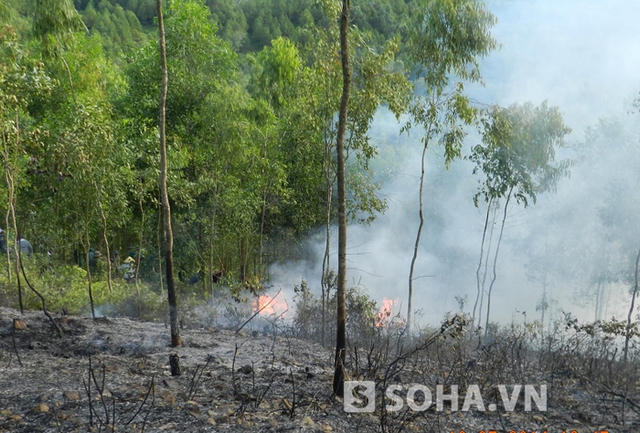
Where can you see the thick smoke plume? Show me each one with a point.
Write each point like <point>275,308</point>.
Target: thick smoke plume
<point>575,245</point>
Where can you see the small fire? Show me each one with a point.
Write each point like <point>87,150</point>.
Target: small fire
<point>388,309</point>
<point>268,305</point>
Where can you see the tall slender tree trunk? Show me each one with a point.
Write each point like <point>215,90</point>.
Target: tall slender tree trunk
<point>485,271</point>
<point>212,242</point>
<point>16,248</point>
<point>264,204</point>
<point>341,333</point>
<point>479,286</point>
<point>601,286</point>
<point>88,267</point>
<point>598,309</point>
<point>329,179</point>
<point>166,206</point>
<point>10,212</point>
<point>159,246</point>
<point>10,191</point>
<point>9,177</point>
<point>631,310</point>
<point>418,235</point>
<point>6,245</point>
<point>324,283</point>
<point>545,303</point>
<point>495,261</point>
<point>139,258</point>
<point>106,244</point>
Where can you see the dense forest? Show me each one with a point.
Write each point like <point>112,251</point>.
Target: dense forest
<point>250,124</point>
<point>251,127</point>
<point>232,140</point>
<point>252,119</point>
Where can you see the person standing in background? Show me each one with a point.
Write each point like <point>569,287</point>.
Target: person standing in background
<point>25,246</point>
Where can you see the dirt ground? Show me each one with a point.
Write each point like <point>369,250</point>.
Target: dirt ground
<point>113,374</point>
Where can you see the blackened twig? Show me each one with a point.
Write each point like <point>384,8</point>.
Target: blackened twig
<point>44,303</point>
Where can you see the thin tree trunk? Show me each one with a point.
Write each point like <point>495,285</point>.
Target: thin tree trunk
<point>159,245</point>
<point>106,245</point>
<point>485,272</point>
<point>631,310</point>
<point>166,206</point>
<point>17,263</point>
<point>6,244</point>
<point>324,283</point>
<point>263,213</point>
<point>598,307</point>
<point>88,267</point>
<point>10,209</point>
<point>341,336</point>
<point>139,258</point>
<point>495,262</point>
<point>418,235</point>
<point>544,304</point>
<point>479,287</point>
<point>212,241</point>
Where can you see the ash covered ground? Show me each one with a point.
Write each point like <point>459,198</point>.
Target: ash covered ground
<point>113,374</point>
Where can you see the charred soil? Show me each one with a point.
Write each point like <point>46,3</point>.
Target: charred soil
<point>113,374</point>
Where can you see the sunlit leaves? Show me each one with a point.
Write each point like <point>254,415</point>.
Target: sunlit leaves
<point>447,39</point>
<point>54,23</point>
<point>518,153</point>
<point>276,70</point>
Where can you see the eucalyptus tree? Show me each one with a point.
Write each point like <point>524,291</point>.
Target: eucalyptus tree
<point>446,40</point>
<point>80,175</point>
<point>164,195</point>
<point>517,158</point>
<point>74,171</point>
<point>54,24</point>
<point>341,294</point>
<point>275,72</point>
<point>632,310</point>
<point>22,81</point>
<point>216,139</point>
<point>303,85</point>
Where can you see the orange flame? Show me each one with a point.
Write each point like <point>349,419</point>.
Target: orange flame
<point>386,312</point>
<point>270,305</point>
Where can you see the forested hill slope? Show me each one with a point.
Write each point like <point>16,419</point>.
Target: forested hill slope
<point>254,89</point>
<point>248,25</point>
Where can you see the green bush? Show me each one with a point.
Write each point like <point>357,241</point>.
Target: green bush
<point>66,287</point>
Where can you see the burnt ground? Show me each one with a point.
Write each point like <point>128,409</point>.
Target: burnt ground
<point>113,374</point>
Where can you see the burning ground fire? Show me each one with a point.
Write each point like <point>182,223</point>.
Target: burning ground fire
<point>268,305</point>
<point>276,305</point>
<point>389,308</point>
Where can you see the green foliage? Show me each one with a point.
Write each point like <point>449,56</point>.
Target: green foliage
<point>309,122</point>
<point>54,23</point>
<point>447,39</point>
<point>120,29</point>
<point>518,153</point>
<point>251,137</point>
<point>275,72</point>
<point>270,19</point>
<point>65,287</point>
<point>230,20</point>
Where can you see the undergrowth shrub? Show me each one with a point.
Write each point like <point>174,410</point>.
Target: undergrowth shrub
<point>65,287</point>
<point>308,321</point>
